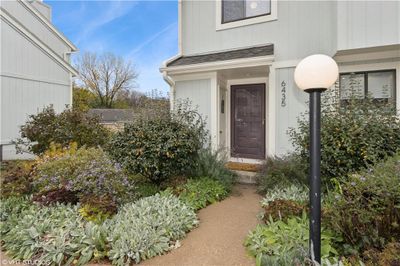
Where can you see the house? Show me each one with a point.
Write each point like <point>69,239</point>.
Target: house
<point>113,119</point>
<point>237,58</point>
<point>35,67</point>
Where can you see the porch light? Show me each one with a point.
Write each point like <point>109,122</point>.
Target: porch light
<point>315,74</point>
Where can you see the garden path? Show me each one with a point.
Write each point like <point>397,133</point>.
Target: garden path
<point>218,241</point>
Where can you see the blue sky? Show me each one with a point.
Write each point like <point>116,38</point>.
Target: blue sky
<point>145,32</point>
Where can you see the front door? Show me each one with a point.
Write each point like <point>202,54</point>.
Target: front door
<point>248,121</point>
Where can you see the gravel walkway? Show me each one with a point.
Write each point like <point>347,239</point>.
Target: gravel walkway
<point>218,241</point>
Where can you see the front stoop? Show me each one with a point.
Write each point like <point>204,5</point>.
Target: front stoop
<point>246,177</point>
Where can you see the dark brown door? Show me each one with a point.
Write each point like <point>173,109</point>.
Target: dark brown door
<point>248,121</point>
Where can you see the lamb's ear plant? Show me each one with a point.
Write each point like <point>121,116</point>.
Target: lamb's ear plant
<point>148,227</point>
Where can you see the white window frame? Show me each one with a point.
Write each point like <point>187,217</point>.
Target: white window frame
<point>244,22</point>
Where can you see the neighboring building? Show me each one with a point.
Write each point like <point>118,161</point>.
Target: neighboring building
<point>237,57</point>
<point>35,67</point>
<point>113,119</point>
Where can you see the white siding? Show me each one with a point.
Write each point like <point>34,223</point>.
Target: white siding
<point>368,23</point>
<point>286,116</point>
<point>302,28</point>
<point>44,9</point>
<point>37,27</point>
<point>199,94</point>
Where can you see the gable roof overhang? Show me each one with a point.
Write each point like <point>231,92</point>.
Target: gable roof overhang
<point>245,57</point>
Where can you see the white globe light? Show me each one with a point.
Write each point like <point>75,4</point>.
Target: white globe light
<point>317,71</point>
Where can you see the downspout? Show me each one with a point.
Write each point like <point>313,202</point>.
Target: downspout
<point>171,84</point>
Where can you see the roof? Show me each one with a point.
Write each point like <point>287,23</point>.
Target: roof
<point>223,56</point>
<point>113,115</point>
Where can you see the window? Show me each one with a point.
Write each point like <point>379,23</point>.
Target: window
<point>379,85</point>
<point>235,10</point>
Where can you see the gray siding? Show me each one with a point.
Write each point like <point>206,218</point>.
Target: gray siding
<point>302,28</point>
<point>368,23</point>
<point>286,116</point>
<point>37,27</point>
<point>199,94</point>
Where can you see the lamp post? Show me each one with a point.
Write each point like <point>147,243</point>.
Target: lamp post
<point>315,74</point>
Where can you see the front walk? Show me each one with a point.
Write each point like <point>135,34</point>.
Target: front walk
<point>218,241</point>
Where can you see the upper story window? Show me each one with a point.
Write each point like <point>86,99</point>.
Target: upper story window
<point>237,13</point>
<point>379,85</point>
<point>234,10</point>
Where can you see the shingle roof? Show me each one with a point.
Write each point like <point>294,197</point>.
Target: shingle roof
<point>222,56</point>
<point>113,115</point>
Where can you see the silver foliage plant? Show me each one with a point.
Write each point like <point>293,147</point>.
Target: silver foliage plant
<point>293,192</point>
<point>148,227</point>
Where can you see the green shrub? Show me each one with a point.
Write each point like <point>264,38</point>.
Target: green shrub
<point>282,172</point>
<point>286,243</point>
<point>15,179</point>
<point>55,235</point>
<point>198,193</point>
<point>212,164</point>
<point>366,207</point>
<point>148,227</point>
<point>160,147</point>
<point>353,136</point>
<point>69,126</point>
<point>145,189</point>
<point>97,209</point>
<point>87,172</point>
<point>282,209</point>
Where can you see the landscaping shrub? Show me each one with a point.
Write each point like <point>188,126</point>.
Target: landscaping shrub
<point>69,126</point>
<point>286,243</point>
<point>281,172</point>
<point>353,136</point>
<point>389,256</point>
<point>160,147</point>
<point>86,172</point>
<point>97,209</point>
<point>15,179</point>
<point>148,227</point>
<point>212,164</point>
<point>366,207</point>
<point>55,235</point>
<point>146,189</point>
<point>198,193</point>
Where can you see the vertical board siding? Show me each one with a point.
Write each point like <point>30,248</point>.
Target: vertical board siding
<point>198,92</point>
<point>287,115</point>
<point>302,28</point>
<point>26,18</point>
<point>368,23</point>
<point>20,56</point>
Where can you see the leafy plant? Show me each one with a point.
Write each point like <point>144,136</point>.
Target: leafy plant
<point>282,209</point>
<point>282,172</point>
<point>212,164</point>
<point>286,243</point>
<point>198,193</point>
<point>292,192</point>
<point>160,147</point>
<point>353,135</point>
<point>145,189</point>
<point>15,179</point>
<point>97,209</point>
<point>148,227</point>
<point>366,207</point>
<point>71,125</point>
<point>86,172</point>
<point>55,235</point>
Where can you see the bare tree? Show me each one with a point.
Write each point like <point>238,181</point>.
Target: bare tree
<point>106,75</point>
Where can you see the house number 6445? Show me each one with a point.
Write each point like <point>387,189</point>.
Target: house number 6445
<point>283,91</point>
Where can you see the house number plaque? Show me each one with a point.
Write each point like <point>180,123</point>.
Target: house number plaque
<point>283,91</point>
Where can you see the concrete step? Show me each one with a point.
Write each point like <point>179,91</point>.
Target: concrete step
<point>246,177</point>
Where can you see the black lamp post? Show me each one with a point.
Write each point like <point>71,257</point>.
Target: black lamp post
<point>314,74</point>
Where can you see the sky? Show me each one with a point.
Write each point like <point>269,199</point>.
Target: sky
<point>144,32</point>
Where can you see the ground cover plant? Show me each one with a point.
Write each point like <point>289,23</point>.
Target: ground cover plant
<point>198,193</point>
<point>71,125</point>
